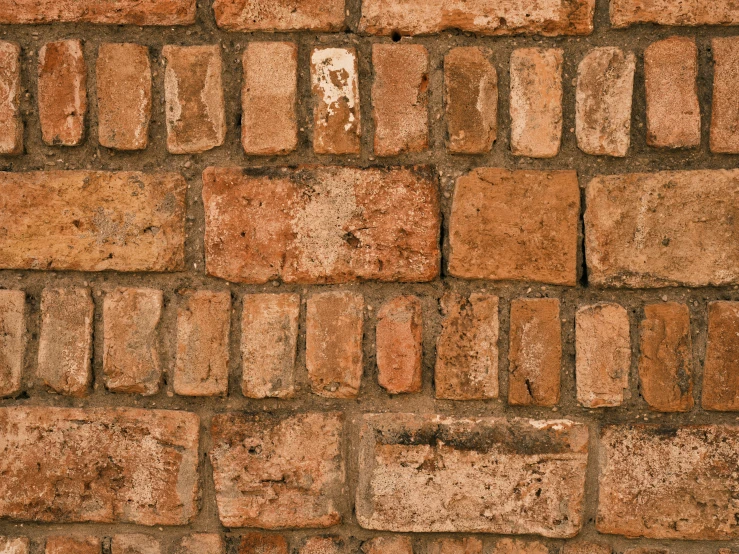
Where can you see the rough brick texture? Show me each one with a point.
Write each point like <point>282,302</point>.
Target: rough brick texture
<point>261,543</point>
<point>152,12</point>
<point>456,546</point>
<point>11,123</point>
<point>721,369</point>
<point>388,545</point>
<point>515,546</point>
<point>135,543</point>
<point>724,108</point>
<point>63,544</point>
<point>279,15</point>
<point>399,349</point>
<point>12,340</point>
<point>667,12</point>
<point>14,545</point>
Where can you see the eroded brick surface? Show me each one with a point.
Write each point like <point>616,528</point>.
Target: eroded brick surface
<point>388,545</point>
<point>721,366</point>
<point>14,545</point>
<point>586,547</point>
<point>73,544</point>
<point>11,124</point>
<point>201,543</point>
<point>135,12</point>
<point>724,107</point>
<point>456,546</point>
<point>261,543</point>
<point>667,12</point>
<point>323,545</point>
<point>279,15</point>
<point>515,546</point>
<point>399,347</point>
<point>135,543</point>
<point>12,340</point>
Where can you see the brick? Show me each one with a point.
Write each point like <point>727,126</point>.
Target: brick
<point>92,221</point>
<point>196,120</point>
<point>583,547</point>
<point>666,358</point>
<point>431,473</point>
<point>667,12</point>
<point>333,343</point>
<point>484,17</point>
<point>201,543</point>
<point>62,92</point>
<point>724,108</point>
<point>647,550</point>
<point>104,465</point>
<point>14,545</point>
<point>203,326</point>
<point>388,545</point>
<point>63,544</point>
<point>123,75</point>
<point>399,345</point>
<point>515,546</point>
<point>121,12</point>
<point>260,543</point>
<point>134,543</point>
<point>605,88</point>
<point>272,472</point>
<point>515,225</point>
<point>65,343</point>
<point>456,546</point>
<point>400,98</point>
<point>536,102</point>
<point>11,123</point>
<point>268,98</point>
<point>131,350</point>
<point>603,354</point>
<point>535,353</point>
<point>322,224</point>
<point>471,89</point>
<point>668,482</point>
<point>12,340</point>
<point>280,15</point>
<point>322,545</point>
<point>670,228</point>
<point>720,369</point>
<point>467,348</point>
<point>269,340</point>
<point>336,113</point>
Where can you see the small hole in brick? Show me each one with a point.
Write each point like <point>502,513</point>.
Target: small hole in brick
<point>395,36</point>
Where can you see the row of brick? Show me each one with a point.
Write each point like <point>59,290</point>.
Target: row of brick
<point>127,543</point>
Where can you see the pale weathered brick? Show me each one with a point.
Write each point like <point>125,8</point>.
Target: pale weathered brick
<point>321,225</point>
<point>721,367</point>
<point>586,547</point>
<point>669,12</point>
<point>135,543</point>
<point>456,546</point>
<point>65,343</point>
<point>104,465</point>
<point>12,340</point>
<point>71,544</point>
<point>393,544</point>
<point>280,15</point>
<point>429,473</point>
<point>11,123</point>
<point>536,102</point>
<point>201,543</point>
<point>261,543</point>
<point>272,472</point>
<point>515,546</point>
<point>120,12</point>
<point>666,482</point>
<point>268,98</point>
<point>400,98</point>
<point>519,225</point>
<point>399,345</point>
<point>196,120</point>
<point>15,545</point>
<point>467,348</point>
<point>724,107</point>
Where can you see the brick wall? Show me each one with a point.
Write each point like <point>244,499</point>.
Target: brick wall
<point>377,276</point>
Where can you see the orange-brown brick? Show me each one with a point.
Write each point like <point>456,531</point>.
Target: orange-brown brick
<point>668,12</point>
<point>135,543</point>
<point>11,124</point>
<point>15,545</point>
<point>261,543</point>
<point>584,547</point>
<point>280,15</point>
<point>323,545</point>
<point>399,348</point>
<point>456,546</point>
<point>201,543</point>
<point>388,545</point>
<point>121,12</point>
<point>12,340</point>
<point>70,544</point>
<point>515,546</point>
<point>724,107</point>
<point>721,367</point>
<point>649,550</point>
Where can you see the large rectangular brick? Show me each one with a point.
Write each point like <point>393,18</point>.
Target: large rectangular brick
<point>669,12</point>
<point>724,107</point>
<point>104,465</point>
<point>280,15</point>
<point>11,123</point>
<point>663,229</point>
<point>669,482</point>
<point>92,221</point>
<point>721,367</point>
<point>321,224</point>
<point>120,12</point>
<point>12,340</point>
<point>429,473</point>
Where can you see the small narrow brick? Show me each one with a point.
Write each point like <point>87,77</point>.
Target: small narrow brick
<point>64,544</point>
<point>196,120</point>
<point>471,88</point>
<point>135,543</point>
<point>673,110</point>
<point>515,546</point>
<point>388,545</point>
<point>261,543</point>
<point>12,340</point>
<point>15,545</point>
<point>536,102</point>
<point>585,547</point>
<point>201,543</point>
<point>666,358</point>
<point>131,351</point>
<point>535,354</point>
<point>603,354</point>
<point>724,105</point>
<point>669,12</point>
<point>280,15</point>
<point>123,75</point>
<point>11,123</point>
<point>273,472</point>
<point>721,367</point>
<point>323,545</point>
<point>400,98</point>
<point>65,343</point>
<point>336,114</point>
<point>120,12</point>
<point>268,98</point>
<point>269,338</point>
<point>456,546</point>
<point>467,348</point>
<point>203,325</point>
<point>648,550</point>
<point>605,88</point>
<point>62,92</point>
<point>399,345</point>
<point>333,343</point>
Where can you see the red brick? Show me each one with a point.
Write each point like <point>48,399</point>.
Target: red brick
<point>123,76</point>
<point>536,102</point>
<point>273,473</point>
<point>515,546</point>
<point>668,12</point>
<point>605,87</point>
<point>456,546</point>
<point>724,108</point>
<point>336,114</point>
<point>430,473</point>
<point>120,12</point>
<point>63,544</point>
<point>323,545</point>
<point>603,346</point>
<point>105,465</point>
<point>515,225</point>
<point>663,229</point>
<point>12,340</point>
<point>134,544</point>
<point>203,325</point>
<point>471,89</point>
<point>484,17</point>
<point>280,15</point>
<point>65,344</point>
<point>668,483</point>
<point>201,543</point>
<point>467,348</point>
<point>399,345</point>
<point>269,339</point>
<point>196,120</point>
<point>11,124</point>
<point>268,98</point>
<point>400,98</point>
<point>388,545</point>
<point>92,221</point>
<point>131,345</point>
<point>535,354</point>
<point>333,343</point>
<point>583,547</point>
<point>721,367</point>
<point>321,224</point>
<point>260,543</point>
<point>62,92</point>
